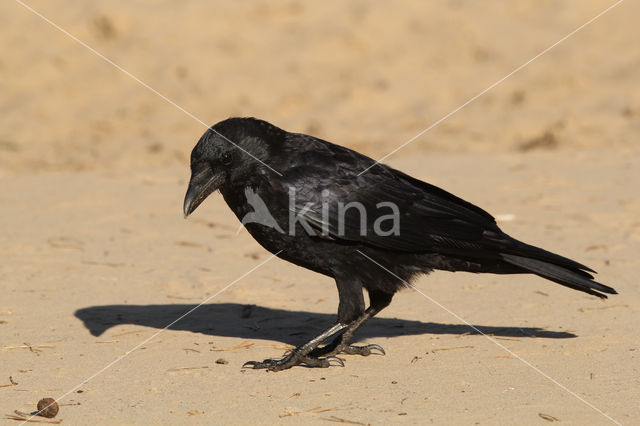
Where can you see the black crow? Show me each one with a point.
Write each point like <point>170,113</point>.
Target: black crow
<point>307,200</point>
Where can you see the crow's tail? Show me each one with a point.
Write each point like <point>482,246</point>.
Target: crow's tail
<point>556,268</point>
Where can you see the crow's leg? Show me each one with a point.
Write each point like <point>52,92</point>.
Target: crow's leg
<point>350,310</point>
<point>377,302</point>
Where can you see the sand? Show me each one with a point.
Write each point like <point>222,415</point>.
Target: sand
<point>97,260</point>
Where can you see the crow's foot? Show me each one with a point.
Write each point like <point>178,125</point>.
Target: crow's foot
<point>292,359</point>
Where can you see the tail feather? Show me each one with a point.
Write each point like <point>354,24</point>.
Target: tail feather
<point>507,244</point>
<point>567,276</point>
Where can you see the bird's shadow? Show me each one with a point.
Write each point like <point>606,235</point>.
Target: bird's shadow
<point>258,322</point>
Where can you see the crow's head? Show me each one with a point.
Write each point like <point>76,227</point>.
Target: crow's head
<point>234,151</point>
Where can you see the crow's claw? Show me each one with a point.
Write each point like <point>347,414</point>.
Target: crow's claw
<point>335,359</point>
<point>365,350</point>
<point>252,364</point>
<point>267,364</point>
<point>378,348</point>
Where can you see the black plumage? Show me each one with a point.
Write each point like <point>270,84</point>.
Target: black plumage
<point>316,193</point>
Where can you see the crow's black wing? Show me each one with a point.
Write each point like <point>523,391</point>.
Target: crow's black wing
<point>383,207</point>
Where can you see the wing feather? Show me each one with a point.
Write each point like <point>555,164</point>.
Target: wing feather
<point>336,202</point>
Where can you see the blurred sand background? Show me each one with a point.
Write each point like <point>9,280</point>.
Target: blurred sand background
<point>96,257</point>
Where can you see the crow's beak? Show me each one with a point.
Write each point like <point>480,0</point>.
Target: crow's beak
<point>203,182</point>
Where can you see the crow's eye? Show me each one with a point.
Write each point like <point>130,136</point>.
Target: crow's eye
<point>226,159</point>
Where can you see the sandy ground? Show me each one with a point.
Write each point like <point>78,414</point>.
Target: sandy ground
<point>96,258</point>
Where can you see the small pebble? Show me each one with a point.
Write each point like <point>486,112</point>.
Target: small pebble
<point>47,407</point>
<point>221,361</point>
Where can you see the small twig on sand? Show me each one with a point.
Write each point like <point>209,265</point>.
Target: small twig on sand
<point>311,410</point>
<point>187,368</point>
<point>11,383</point>
<point>26,417</point>
<point>451,349</point>
<point>340,420</point>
